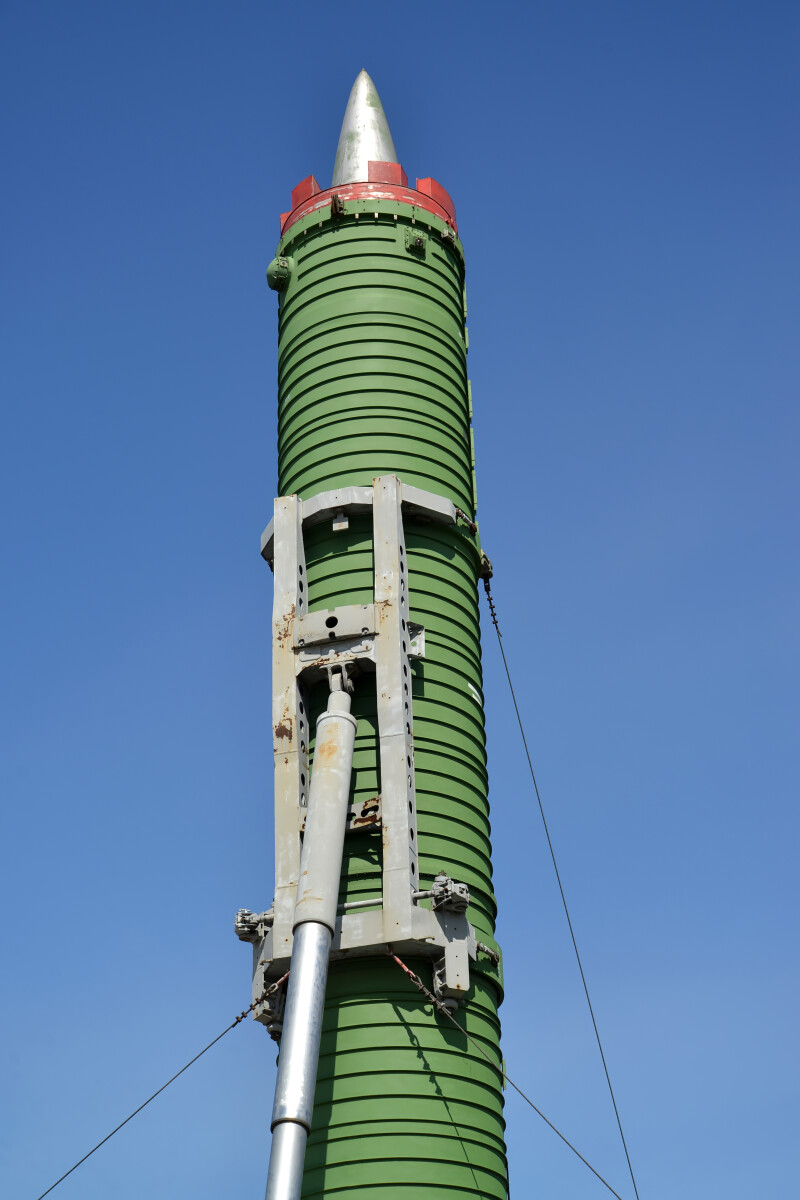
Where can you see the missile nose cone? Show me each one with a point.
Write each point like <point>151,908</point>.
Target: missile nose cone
<point>365,135</point>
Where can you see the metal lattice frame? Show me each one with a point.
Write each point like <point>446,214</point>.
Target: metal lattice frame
<point>379,638</point>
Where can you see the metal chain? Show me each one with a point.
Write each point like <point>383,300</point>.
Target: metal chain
<point>237,1021</point>
<point>496,624</point>
<point>442,1008</point>
<point>492,610</point>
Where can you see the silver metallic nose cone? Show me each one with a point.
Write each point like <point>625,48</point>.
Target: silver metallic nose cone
<point>365,135</point>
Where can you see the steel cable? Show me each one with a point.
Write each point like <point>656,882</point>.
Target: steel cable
<point>442,1008</point>
<point>429,995</point>
<point>273,988</point>
<point>558,876</point>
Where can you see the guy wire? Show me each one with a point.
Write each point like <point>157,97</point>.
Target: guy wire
<point>555,868</point>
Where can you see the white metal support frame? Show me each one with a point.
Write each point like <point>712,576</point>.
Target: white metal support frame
<point>377,638</point>
<point>393,691</point>
<point>289,715</point>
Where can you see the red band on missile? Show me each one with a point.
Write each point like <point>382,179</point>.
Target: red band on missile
<point>387,181</point>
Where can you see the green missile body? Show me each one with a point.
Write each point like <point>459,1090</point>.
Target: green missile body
<point>372,382</point>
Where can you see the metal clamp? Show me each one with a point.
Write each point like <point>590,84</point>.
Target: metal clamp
<point>250,926</point>
<point>449,896</point>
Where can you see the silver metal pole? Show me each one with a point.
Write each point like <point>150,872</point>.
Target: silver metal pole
<point>314,921</point>
<point>285,1176</point>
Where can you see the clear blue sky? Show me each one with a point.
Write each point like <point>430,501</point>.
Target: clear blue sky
<point>626,178</point>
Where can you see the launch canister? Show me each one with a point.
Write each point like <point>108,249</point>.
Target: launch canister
<point>381,792</point>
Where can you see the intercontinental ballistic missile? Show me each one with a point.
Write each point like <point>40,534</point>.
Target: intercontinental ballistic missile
<point>383,873</point>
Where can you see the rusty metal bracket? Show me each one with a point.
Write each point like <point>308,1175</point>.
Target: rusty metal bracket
<point>269,1011</point>
<point>362,814</point>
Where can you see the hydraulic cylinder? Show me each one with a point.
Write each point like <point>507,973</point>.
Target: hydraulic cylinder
<point>314,921</point>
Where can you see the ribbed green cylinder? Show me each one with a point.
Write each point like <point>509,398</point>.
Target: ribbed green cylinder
<point>372,380</point>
